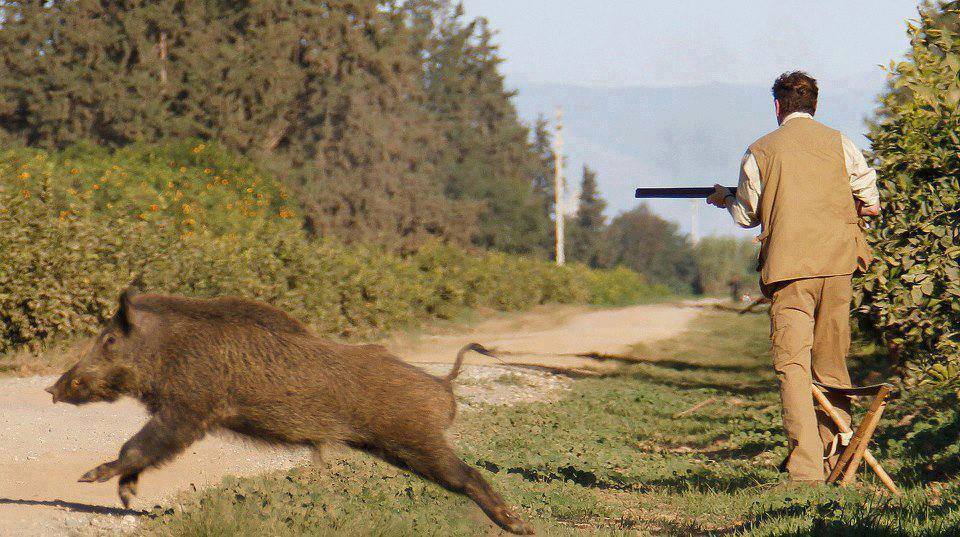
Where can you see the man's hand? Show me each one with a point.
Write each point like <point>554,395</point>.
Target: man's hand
<point>867,210</point>
<point>719,196</point>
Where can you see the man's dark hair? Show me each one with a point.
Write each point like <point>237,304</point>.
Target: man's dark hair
<point>797,92</point>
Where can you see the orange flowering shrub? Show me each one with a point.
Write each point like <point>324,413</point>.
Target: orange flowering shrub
<point>76,226</point>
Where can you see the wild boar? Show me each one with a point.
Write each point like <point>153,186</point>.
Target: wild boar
<point>199,365</point>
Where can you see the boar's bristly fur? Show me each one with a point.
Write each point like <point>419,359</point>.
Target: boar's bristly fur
<point>230,363</point>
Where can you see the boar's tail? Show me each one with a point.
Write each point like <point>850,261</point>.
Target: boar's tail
<point>475,347</point>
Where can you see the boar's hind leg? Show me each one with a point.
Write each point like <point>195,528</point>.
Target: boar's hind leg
<point>159,441</point>
<point>440,464</point>
<point>127,488</point>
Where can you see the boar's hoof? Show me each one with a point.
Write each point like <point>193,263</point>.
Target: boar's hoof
<point>513,524</point>
<point>101,473</point>
<point>127,489</point>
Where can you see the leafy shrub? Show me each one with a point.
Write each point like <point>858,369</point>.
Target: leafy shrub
<point>75,226</point>
<point>721,260</point>
<point>911,295</point>
<point>621,286</point>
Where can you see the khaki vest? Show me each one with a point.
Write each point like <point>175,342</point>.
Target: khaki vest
<point>810,225</point>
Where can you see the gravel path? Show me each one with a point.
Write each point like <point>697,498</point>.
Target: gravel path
<point>44,448</point>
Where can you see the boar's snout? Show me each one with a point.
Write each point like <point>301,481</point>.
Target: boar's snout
<point>52,390</point>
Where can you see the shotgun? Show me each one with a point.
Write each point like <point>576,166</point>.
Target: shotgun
<point>683,192</point>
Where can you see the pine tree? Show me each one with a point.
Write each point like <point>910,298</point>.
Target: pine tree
<point>488,159</point>
<point>588,224</point>
<point>542,212</point>
<point>69,71</point>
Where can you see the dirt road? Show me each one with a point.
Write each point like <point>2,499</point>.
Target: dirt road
<point>563,337</point>
<point>44,448</point>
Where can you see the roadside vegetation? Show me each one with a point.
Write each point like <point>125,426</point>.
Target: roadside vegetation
<point>76,226</point>
<point>391,126</point>
<point>625,454</point>
<point>910,299</point>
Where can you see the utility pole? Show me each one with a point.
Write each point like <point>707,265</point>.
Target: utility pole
<point>694,222</point>
<point>558,185</point>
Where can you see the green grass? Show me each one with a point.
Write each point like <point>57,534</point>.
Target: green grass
<point>618,455</point>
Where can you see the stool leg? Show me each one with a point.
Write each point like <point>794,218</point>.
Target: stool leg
<point>881,473</point>
<point>848,453</point>
<point>827,407</point>
<point>869,426</point>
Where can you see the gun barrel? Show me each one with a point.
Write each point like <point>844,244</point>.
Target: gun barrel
<point>678,192</point>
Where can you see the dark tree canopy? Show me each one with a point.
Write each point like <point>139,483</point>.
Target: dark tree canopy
<point>641,240</point>
<point>344,99</point>
<point>488,159</point>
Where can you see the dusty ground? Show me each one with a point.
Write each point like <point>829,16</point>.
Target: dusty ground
<point>44,448</point>
<point>563,337</point>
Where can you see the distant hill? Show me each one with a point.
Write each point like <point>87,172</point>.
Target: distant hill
<point>673,136</point>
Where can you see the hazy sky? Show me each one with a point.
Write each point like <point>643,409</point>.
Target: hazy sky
<point>688,42</point>
<point>671,43</point>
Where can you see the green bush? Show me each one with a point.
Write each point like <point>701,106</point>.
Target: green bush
<point>721,260</point>
<point>621,286</point>
<point>911,294</point>
<point>77,225</point>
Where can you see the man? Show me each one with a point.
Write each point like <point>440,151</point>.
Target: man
<point>806,185</point>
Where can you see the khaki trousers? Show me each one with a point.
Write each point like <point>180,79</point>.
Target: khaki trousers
<point>810,333</point>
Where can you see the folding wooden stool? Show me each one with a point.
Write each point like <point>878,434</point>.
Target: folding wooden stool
<point>856,451</point>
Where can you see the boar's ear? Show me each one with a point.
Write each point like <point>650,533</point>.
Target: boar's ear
<point>125,313</point>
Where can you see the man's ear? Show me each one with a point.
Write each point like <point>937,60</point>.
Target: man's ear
<point>125,312</point>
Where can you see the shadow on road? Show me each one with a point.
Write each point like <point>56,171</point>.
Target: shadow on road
<point>75,507</point>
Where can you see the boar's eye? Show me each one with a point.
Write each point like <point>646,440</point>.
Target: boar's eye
<point>109,340</point>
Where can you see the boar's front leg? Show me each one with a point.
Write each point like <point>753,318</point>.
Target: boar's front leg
<point>161,439</point>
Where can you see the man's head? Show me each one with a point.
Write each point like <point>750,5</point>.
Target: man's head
<point>795,92</point>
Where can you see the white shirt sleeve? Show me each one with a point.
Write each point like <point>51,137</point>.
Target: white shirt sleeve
<point>863,178</point>
<point>744,208</point>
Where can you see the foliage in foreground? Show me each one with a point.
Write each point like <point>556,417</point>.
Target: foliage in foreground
<point>620,455</point>
<point>911,295</point>
<point>76,226</point>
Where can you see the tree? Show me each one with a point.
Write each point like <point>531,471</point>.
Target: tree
<point>69,72</point>
<point>721,260</point>
<point>488,159</point>
<point>542,213</point>
<point>640,240</point>
<point>391,121</point>
<point>586,231</point>
<point>327,94</point>
<point>911,294</point>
